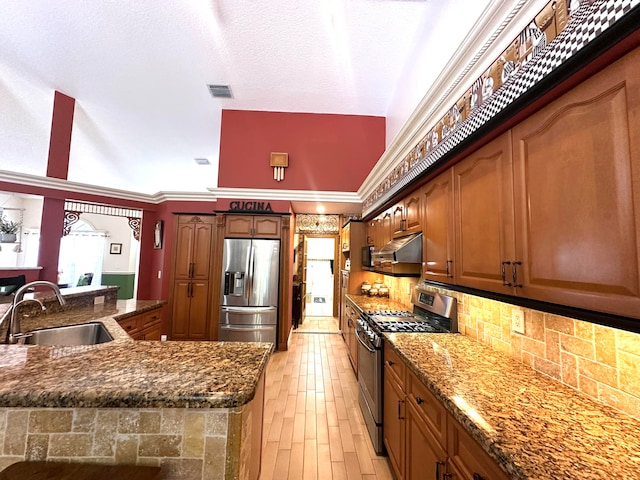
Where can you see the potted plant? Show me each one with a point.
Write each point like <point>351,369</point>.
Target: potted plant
<point>8,230</point>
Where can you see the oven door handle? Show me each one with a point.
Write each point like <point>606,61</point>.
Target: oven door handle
<point>371,350</point>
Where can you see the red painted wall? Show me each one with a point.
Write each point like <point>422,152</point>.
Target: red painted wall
<point>326,152</point>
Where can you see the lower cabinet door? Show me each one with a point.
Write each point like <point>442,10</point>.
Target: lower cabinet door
<point>181,310</point>
<point>425,458</point>
<point>189,320</point>
<point>199,311</point>
<point>394,424</point>
<point>467,460</point>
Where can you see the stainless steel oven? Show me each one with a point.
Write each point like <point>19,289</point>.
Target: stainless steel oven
<point>432,313</point>
<point>370,381</point>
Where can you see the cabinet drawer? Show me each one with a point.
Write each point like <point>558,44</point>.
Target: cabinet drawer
<point>129,325</point>
<point>469,460</point>
<point>395,364</point>
<point>147,319</point>
<point>429,407</point>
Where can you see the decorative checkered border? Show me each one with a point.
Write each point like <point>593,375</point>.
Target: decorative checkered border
<point>587,24</point>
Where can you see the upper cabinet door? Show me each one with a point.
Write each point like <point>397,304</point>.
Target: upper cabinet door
<point>577,194</point>
<point>484,224</point>
<point>412,213</point>
<point>249,226</point>
<point>239,226</point>
<point>437,228</point>
<point>184,250</point>
<point>266,227</point>
<point>384,228</point>
<point>202,250</point>
<point>398,220</point>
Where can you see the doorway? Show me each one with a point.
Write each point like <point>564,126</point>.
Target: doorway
<point>320,273</point>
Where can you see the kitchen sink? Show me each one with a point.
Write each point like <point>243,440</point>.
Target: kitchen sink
<point>82,334</point>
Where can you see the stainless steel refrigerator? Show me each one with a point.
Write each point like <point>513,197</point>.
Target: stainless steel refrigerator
<point>249,297</point>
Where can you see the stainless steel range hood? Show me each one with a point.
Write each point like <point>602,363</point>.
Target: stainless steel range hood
<point>401,256</point>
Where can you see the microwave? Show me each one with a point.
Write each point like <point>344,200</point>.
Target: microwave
<point>367,257</point>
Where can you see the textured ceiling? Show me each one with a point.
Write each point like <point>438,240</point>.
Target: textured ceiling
<point>139,70</point>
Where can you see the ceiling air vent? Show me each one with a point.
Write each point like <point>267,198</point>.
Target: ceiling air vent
<point>220,91</point>
<point>202,161</point>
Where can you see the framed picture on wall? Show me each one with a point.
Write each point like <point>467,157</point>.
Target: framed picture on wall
<point>157,235</point>
<point>115,249</point>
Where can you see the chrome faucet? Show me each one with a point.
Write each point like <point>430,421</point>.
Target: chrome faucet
<point>13,332</point>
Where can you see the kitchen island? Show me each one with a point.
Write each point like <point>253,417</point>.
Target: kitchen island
<point>192,408</point>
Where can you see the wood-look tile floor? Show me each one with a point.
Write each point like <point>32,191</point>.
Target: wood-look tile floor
<point>313,427</point>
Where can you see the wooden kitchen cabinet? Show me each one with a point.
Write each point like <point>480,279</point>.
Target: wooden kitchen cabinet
<point>144,326</point>
<point>484,218</point>
<point>405,216</point>
<point>423,440</point>
<point>194,239</point>
<point>345,237</point>
<point>378,231</point>
<point>190,310</point>
<point>190,295</point>
<point>253,226</point>
<point>577,195</point>
<point>466,459</point>
<point>437,229</point>
<point>393,421</point>
<point>425,458</point>
<point>351,317</point>
<point>397,220</point>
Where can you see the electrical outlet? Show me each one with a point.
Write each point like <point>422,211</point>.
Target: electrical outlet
<point>163,338</point>
<point>159,274</point>
<point>98,300</point>
<point>517,321</point>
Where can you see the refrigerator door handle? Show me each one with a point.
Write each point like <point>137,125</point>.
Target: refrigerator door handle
<point>252,251</point>
<point>248,310</point>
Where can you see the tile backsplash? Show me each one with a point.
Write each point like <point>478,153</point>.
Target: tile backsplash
<point>601,362</point>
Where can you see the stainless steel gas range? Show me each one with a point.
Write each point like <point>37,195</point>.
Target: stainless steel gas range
<point>432,313</point>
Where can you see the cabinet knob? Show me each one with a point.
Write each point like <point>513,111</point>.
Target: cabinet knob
<point>390,363</point>
<point>477,476</point>
<point>419,400</point>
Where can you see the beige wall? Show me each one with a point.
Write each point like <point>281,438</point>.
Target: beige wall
<point>601,362</point>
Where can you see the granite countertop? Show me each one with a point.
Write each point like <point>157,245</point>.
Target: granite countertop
<point>127,373</point>
<point>533,426</point>
<point>376,304</point>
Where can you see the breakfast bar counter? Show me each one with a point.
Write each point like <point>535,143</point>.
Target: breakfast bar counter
<point>192,408</point>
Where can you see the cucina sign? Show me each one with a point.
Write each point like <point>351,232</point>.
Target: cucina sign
<point>250,206</point>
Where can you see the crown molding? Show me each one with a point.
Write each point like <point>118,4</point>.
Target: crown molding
<point>290,195</point>
<point>212,194</point>
<point>74,187</point>
<point>499,24</point>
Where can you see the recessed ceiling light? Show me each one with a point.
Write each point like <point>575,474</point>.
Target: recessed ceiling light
<point>202,161</point>
<point>220,91</point>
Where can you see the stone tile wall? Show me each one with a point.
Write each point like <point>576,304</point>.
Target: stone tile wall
<point>187,443</point>
<point>601,362</point>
